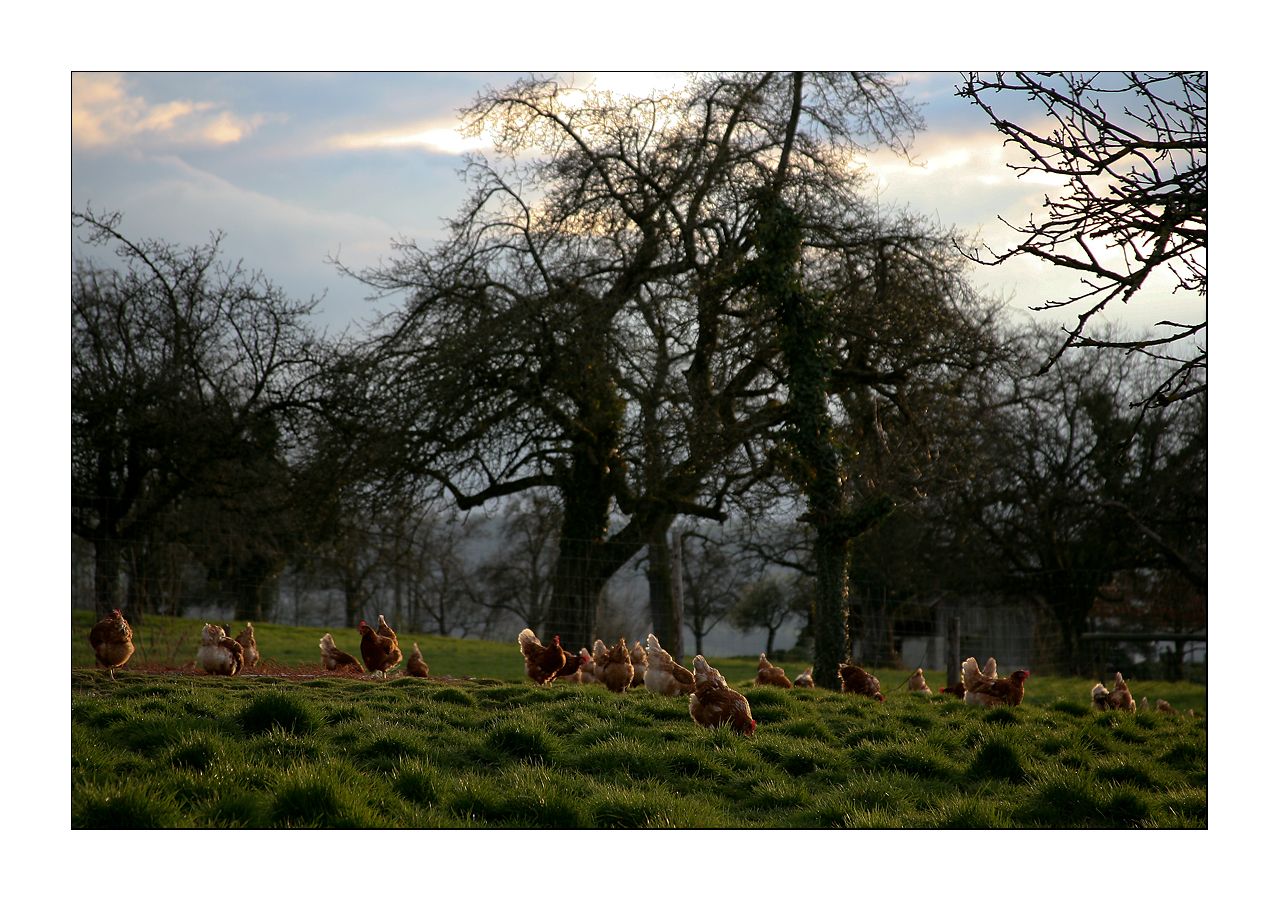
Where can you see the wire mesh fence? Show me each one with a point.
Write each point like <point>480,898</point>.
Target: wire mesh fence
<point>482,586</point>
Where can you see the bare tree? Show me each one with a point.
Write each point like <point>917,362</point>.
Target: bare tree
<point>714,574</point>
<point>587,297</point>
<point>185,371</point>
<point>1134,150</point>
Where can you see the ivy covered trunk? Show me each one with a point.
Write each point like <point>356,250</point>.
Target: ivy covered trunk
<point>815,460</point>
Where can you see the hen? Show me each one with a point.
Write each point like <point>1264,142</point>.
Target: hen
<point>248,642</point>
<point>219,653</point>
<point>988,692</point>
<point>615,670</point>
<point>767,675</point>
<point>956,690</point>
<point>334,659</point>
<point>112,641</point>
<point>713,703</point>
<point>1163,705</point>
<point>380,653</point>
<point>665,676</point>
<point>917,684</point>
<point>541,663</point>
<point>575,667</point>
<point>805,678</point>
<point>416,665</point>
<point>1119,698</point>
<point>639,661</point>
<point>853,679</point>
<point>586,673</point>
<point>972,676</point>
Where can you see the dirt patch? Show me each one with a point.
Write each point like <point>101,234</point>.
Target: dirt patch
<point>272,668</point>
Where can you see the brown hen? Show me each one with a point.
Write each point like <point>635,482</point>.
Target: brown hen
<point>713,703</point>
<point>542,663</point>
<point>112,642</point>
<point>852,679</point>
<point>380,652</point>
<point>767,675</point>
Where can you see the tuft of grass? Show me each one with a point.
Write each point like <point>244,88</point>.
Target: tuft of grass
<point>1071,707</point>
<point>279,709</point>
<point>998,759</point>
<point>416,782</point>
<point>522,740</point>
<point>122,804</point>
<point>317,796</point>
<point>453,696</point>
<point>199,751</point>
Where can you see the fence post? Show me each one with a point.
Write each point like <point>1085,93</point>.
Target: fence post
<point>677,598</point>
<point>952,652</point>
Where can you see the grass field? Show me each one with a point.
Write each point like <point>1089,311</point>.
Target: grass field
<point>494,751</point>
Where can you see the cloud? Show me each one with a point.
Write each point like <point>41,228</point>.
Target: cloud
<point>432,135</point>
<point>105,114</point>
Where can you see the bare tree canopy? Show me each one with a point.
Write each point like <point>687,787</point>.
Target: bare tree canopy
<point>1133,148</point>
<point>589,326</point>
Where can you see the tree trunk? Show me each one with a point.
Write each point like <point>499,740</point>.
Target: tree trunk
<point>830,610</point>
<point>677,599</point>
<point>660,600</point>
<point>575,594</point>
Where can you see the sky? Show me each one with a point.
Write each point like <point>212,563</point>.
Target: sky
<point>301,169</point>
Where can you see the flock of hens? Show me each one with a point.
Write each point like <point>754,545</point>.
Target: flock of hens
<point>711,702</point>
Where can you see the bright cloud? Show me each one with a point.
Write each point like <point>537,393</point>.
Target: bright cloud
<point>432,136</point>
<point>104,113</point>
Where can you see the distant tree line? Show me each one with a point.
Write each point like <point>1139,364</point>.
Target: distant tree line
<point>677,312</point>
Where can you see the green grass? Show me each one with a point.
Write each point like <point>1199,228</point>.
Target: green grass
<point>209,752</point>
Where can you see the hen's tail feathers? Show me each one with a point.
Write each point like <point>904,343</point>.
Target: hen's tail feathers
<point>970,673</point>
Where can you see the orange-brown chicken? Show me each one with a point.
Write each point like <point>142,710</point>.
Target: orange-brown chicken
<point>852,679</point>
<point>987,692</point>
<point>380,653</point>
<point>615,670</point>
<point>416,665</point>
<point>249,643</point>
<point>334,659</point>
<point>805,678</point>
<point>713,703</point>
<point>665,676</point>
<point>639,661</point>
<point>917,684</point>
<point>1163,705</point>
<point>541,663</point>
<point>219,653</point>
<point>767,675</point>
<point>1119,698</point>
<point>956,690</point>
<point>112,642</point>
